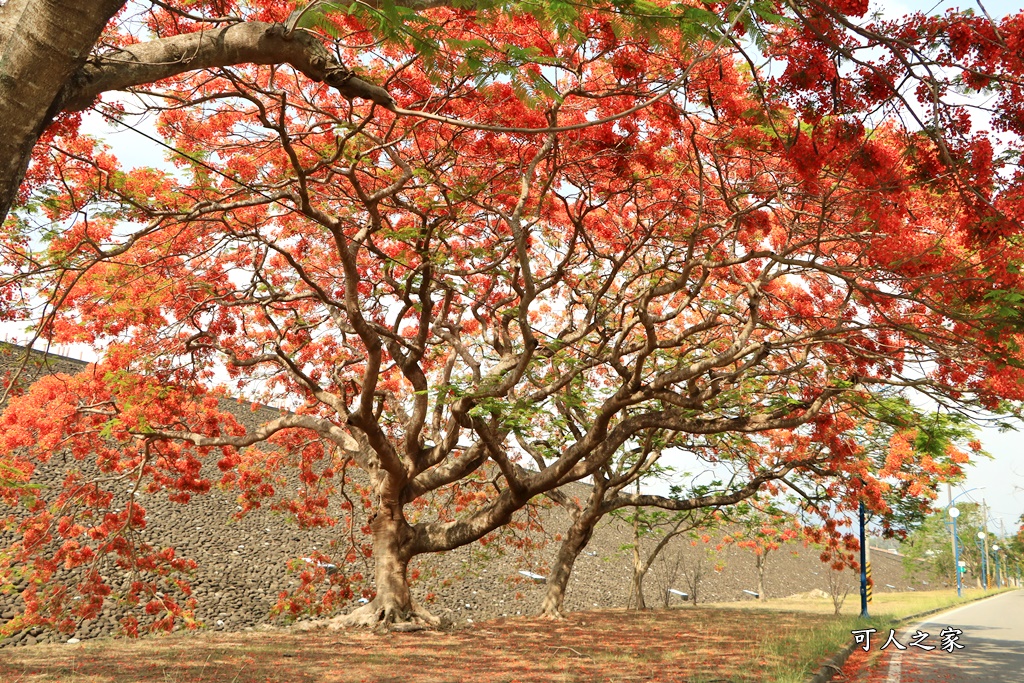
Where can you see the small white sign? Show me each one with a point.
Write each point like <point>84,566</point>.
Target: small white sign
<point>537,578</point>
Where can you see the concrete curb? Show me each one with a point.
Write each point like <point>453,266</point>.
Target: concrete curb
<point>832,666</point>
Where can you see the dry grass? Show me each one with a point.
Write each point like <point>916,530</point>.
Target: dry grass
<point>781,641</point>
<point>892,605</point>
<point>686,644</point>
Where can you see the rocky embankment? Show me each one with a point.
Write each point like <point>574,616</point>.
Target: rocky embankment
<point>243,563</point>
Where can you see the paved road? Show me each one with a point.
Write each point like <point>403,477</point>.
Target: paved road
<point>992,640</point>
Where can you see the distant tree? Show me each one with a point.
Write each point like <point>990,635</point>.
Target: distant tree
<point>838,586</point>
<point>697,562</point>
<point>660,528</point>
<point>762,529</point>
<point>1015,553</point>
<point>931,545</point>
<point>1017,541</point>
<point>668,572</point>
<point>657,516</point>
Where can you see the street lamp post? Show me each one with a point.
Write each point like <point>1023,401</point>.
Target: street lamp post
<point>954,513</point>
<point>995,554</point>
<point>984,560</point>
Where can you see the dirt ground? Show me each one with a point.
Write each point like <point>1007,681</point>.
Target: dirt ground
<point>699,645</point>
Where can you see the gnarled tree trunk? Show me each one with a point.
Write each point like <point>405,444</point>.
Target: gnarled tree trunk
<point>392,607</point>
<point>760,576</point>
<point>575,541</point>
<point>636,584</point>
<point>42,43</point>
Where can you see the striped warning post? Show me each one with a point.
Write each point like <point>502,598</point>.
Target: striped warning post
<point>867,568</point>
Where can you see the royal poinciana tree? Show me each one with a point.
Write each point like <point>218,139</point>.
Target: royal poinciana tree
<point>617,486</point>
<point>768,488</point>
<point>745,468</point>
<point>58,55</point>
<point>625,238</point>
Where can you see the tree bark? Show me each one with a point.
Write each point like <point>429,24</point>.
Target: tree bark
<point>46,68</point>
<point>249,42</point>
<point>636,586</point>
<point>392,607</point>
<point>760,577</point>
<point>575,541</point>
<point>44,43</point>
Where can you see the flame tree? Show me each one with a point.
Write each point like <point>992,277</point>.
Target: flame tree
<point>434,300</point>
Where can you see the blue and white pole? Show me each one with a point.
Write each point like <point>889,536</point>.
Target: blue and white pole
<point>954,513</point>
<point>863,566</point>
<point>984,559</point>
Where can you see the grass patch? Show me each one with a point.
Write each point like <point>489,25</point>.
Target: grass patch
<point>794,657</point>
<point>895,605</point>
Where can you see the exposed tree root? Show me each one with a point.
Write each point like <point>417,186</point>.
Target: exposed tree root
<point>551,607</point>
<point>387,617</point>
<point>553,615</point>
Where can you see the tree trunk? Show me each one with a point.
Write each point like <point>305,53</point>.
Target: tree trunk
<point>693,580</point>
<point>636,587</point>
<point>44,67</point>
<point>760,578</point>
<point>575,541</point>
<point>44,43</point>
<point>392,607</point>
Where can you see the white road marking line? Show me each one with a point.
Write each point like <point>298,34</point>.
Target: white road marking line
<point>895,667</point>
<point>896,662</point>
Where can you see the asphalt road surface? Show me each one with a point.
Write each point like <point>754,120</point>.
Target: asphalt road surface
<point>992,645</point>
